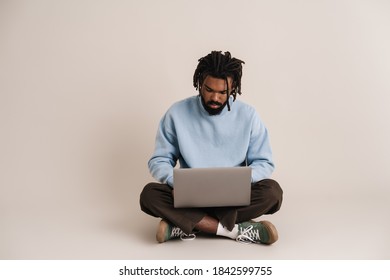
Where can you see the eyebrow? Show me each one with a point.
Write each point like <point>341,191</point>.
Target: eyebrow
<point>222,91</point>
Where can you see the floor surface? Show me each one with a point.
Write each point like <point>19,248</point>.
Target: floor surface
<point>315,227</point>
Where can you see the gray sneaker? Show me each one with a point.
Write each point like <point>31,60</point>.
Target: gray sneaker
<point>166,231</point>
<point>257,232</point>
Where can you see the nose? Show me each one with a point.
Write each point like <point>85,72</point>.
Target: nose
<point>214,96</point>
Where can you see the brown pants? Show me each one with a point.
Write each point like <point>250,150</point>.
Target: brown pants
<point>157,200</point>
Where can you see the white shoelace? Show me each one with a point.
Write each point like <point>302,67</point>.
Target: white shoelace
<point>177,232</point>
<point>187,237</point>
<point>248,236</point>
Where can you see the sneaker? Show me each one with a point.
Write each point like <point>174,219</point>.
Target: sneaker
<point>166,231</point>
<point>257,232</point>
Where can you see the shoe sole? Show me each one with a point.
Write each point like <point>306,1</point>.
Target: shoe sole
<point>272,232</point>
<point>161,230</point>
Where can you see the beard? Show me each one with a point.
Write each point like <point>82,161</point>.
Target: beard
<point>213,111</point>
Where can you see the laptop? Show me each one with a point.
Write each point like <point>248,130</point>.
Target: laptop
<point>212,187</point>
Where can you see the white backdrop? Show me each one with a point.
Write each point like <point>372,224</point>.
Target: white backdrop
<point>83,85</point>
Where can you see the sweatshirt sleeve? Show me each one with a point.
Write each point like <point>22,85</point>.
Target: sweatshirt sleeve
<point>165,154</point>
<point>259,152</point>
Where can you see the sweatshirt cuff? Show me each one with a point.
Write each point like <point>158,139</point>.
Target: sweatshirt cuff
<point>170,181</point>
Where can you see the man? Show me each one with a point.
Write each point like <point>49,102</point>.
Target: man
<point>212,129</point>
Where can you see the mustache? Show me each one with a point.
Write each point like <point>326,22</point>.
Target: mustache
<point>214,103</point>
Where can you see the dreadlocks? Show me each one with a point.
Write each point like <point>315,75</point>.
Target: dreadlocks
<point>220,66</point>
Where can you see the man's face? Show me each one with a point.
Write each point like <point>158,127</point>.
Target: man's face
<point>214,94</point>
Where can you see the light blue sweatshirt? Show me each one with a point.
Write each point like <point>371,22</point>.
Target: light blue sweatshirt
<point>189,134</point>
